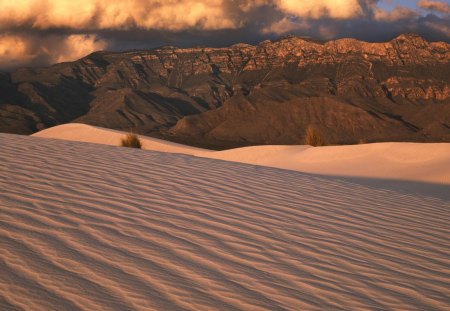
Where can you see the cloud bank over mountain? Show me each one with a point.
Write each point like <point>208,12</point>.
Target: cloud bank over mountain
<point>41,32</point>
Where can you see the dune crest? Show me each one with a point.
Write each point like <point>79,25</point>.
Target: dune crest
<point>423,162</point>
<point>99,135</point>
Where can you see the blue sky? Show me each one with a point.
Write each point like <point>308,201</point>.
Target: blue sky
<point>390,4</point>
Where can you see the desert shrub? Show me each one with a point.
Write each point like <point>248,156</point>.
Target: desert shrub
<point>362,141</point>
<point>313,137</point>
<point>132,141</point>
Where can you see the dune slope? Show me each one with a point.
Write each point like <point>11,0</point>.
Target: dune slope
<point>425,162</point>
<point>99,135</point>
<point>87,226</point>
<point>421,162</point>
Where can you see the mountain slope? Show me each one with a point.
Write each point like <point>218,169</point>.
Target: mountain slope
<point>268,93</point>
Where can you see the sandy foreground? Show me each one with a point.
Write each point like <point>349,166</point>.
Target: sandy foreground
<point>97,227</point>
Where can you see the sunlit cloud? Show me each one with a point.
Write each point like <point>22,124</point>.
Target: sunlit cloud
<point>341,9</point>
<point>119,14</point>
<point>314,9</point>
<point>41,32</point>
<point>77,46</point>
<point>437,6</point>
<point>14,51</point>
<point>398,13</point>
<point>21,50</point>
<point>286,25</point>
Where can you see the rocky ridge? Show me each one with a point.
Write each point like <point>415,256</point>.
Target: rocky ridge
<point>264,94</point>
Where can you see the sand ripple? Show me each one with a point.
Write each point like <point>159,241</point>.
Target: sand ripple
<point>85,226</point>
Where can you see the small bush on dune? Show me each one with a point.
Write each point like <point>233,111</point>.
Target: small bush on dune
<point>132,141</point>
<point>313,137</point>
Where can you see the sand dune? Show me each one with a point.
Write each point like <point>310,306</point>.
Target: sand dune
<point>405,161</point>
<point>93,227</point>
<point>402,161</point>
<point>99,135</point>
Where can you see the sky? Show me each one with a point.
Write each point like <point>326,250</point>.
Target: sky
<point>43,32</point>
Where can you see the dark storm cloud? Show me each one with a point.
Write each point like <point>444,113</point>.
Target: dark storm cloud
<point>37,32</point>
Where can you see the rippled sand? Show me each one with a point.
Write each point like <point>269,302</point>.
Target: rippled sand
<point>95,227</point>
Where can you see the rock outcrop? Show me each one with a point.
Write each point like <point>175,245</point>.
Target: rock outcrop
<point>269,93</point>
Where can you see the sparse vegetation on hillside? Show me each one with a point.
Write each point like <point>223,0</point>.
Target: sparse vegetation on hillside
<point>131,141</point>
<point>313,137</point>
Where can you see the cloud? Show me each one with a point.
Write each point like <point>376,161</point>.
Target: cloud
<point>441,28</point>
<point>437,6</point>
<point>398,13</point>
<point>340,9</point>
<point>173,15</point>
<point>22,50</point>
<point>41,32</point>
<point>119,14</point>
<point>14,51</point>
<point>248,5</point>
<point>286,25</point>
<point>77,46</point>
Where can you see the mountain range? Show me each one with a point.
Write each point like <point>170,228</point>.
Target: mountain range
<point>351,91</point>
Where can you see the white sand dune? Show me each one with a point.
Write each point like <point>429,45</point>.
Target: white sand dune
<point>405,161</point>
<point>94,227</point>
<point>99,135</point>
<point>402,161</point>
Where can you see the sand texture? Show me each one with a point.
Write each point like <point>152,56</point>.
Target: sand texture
<point>93,227</point>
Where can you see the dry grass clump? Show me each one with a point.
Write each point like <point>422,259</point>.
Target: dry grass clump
<point>131,141</point>
<point>362,141</point>
<point>313,137</point>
